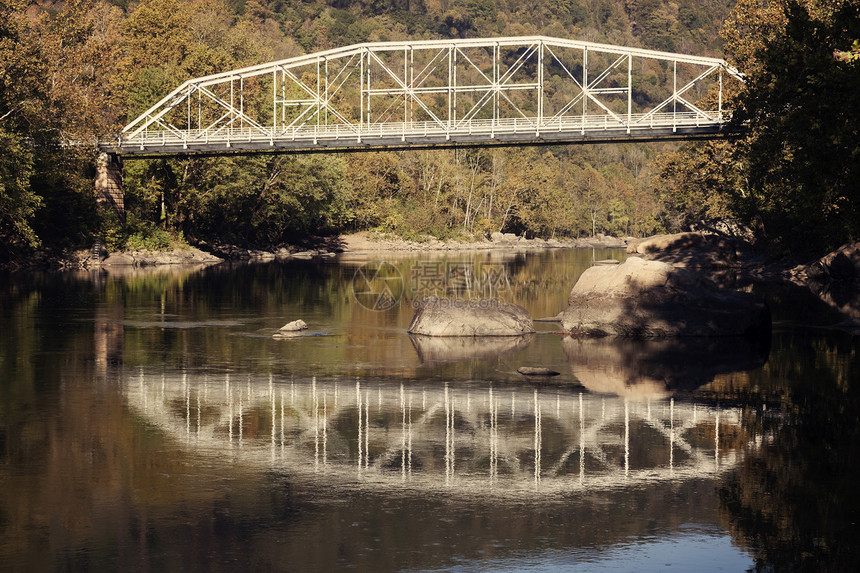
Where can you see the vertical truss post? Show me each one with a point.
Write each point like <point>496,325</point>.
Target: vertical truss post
<point>325,102</point>
<point>412,86</point>
<point>369,121</point>
<point>319,111</point>
<point>720,97</point>
<point>405,90</point>
<point>284,98</point>
<point>629,91</point>
<point>584,86</point>
<point>496,74</point>
<point>450,92</point>
<point>274,101</point>
<point>455,85</point>
<point>232,113</point>
<point>674,95</point>
<point>361,94</point>
<point>540,89</point>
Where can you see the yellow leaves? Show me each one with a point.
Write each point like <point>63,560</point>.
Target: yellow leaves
<point>852,55</point>
<point>751,25</point>
<point>158,31</point>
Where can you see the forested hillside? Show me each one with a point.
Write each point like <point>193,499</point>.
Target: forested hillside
<point>78,70</point>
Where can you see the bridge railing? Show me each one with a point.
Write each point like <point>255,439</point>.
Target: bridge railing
<point>420,132</point>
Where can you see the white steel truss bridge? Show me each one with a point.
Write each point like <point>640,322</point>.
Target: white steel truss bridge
<point>479,92</point>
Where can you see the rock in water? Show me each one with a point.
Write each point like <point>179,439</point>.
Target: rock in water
<point>445,317</point>
<point>841,264</point>
<point>533,371</point>
<point>642,298</point>
<point>294,326</point>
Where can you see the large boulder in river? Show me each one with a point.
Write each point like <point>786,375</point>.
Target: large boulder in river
<point>693,249</point>
<point>642,298</point>
<point>841,264</point>
<point>444,317</point>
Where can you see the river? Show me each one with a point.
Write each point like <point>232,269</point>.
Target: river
<point>150,420</point>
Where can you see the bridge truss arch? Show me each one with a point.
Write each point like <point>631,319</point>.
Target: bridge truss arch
<point>498,91</point>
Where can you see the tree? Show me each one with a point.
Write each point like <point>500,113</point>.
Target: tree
<point>696,183</point>
<point>22,95</point>
<point>801,157</point>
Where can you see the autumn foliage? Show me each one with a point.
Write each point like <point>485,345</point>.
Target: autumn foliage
<point>78,70</point>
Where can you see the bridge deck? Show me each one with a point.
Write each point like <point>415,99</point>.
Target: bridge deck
<point>520,131</point>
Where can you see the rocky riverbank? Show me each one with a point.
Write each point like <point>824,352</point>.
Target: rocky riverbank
<point>734,263</point>
<point>361,242</point>
<point>366,242</point>
<point>310,248</point>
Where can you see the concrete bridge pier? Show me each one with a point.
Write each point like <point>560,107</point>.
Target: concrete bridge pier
<point>109,187</point>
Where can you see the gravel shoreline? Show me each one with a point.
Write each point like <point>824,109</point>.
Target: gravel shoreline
<point>321,247</point>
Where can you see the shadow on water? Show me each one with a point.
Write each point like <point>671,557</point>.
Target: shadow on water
<point>795,502</point>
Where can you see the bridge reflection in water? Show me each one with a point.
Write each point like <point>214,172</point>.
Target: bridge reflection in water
<point>457,438</point>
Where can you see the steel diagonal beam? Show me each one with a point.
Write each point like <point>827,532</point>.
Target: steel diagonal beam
<point>575,100</point>
<point>607,71</point>
<point>429,112</point>
<point>173,129</point>
<point>497,87</point>
<point>213,124</point>
<point>386,113</point>
<point>567,107</point>
<point>310,107</point>
<point>400,82</point>
<point>468,59</point>
<point>419,79</point>
<point>677,93</point>
<point>232,109</point>
<point>345,66</point>
<point>592,89</point>
<point>516,66</point>
<point>564,67</point>
<point>517,109</point>
<point>174,98</point>
<point>405,90</point>
<point>478,106</point>
<point>320,103</point>
<point>606,109</point>
<point>695,108</point>
<point>331,93</point>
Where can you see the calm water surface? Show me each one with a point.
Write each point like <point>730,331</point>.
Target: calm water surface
<point>150,420</point>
